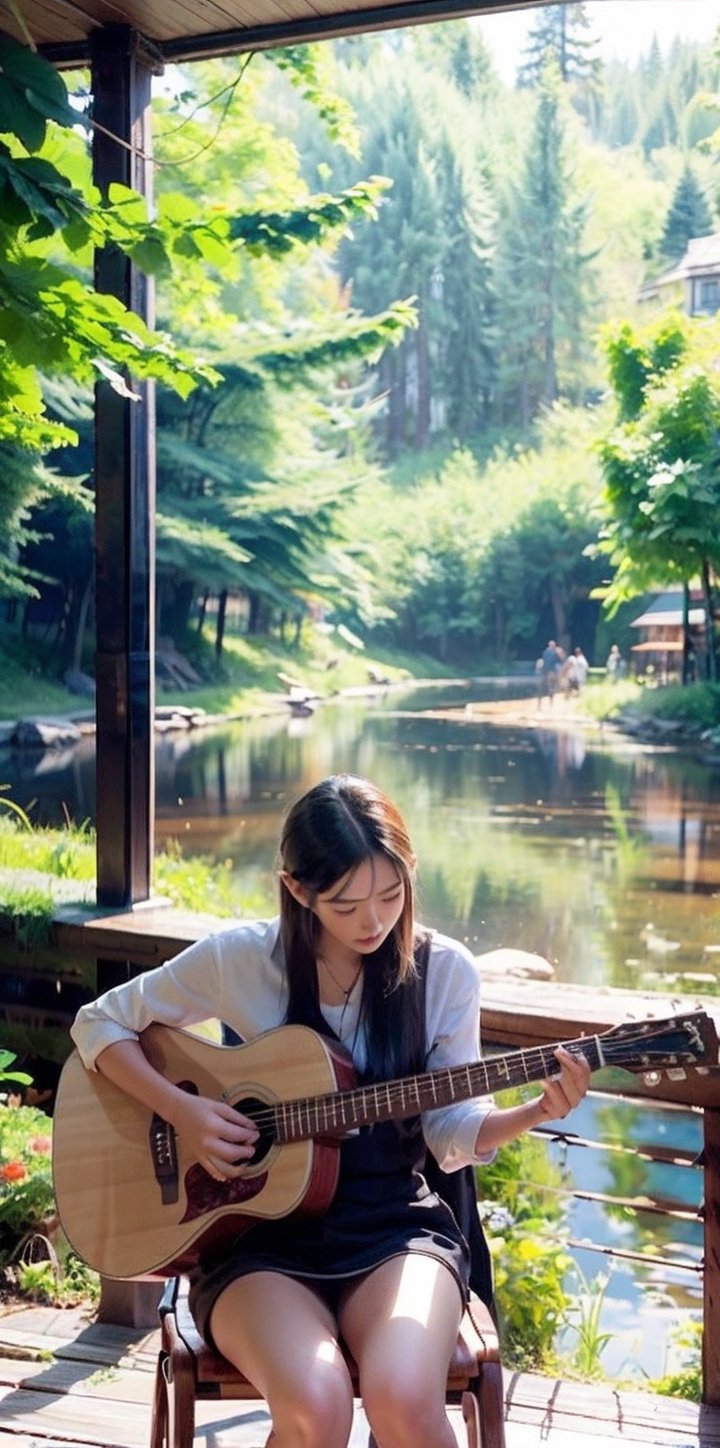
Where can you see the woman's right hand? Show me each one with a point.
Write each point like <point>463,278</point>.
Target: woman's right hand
<point>214,1134</point>
<point>217,1136</point>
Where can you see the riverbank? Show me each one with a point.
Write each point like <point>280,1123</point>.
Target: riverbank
<point>594,712</point>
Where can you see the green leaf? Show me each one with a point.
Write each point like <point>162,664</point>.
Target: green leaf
<point>32,93</point>
<point>76,234</point>
<point>151,257</point>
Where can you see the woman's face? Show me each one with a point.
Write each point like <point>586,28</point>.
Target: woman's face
<point>359,911</point>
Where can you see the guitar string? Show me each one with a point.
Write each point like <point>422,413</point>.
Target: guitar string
<point>394,1092</point>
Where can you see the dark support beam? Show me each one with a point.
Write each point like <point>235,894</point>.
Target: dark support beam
<point>122,68</point>
<point>240,39</point>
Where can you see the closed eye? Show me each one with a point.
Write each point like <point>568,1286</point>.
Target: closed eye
<point>385,900</point>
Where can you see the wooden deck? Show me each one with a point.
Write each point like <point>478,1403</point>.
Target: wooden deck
<point>66,1379</point>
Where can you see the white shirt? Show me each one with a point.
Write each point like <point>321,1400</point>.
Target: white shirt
<point>238,976</point>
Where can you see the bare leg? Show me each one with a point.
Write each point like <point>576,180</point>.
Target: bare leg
<point>284,1338</point>
<point>401,1324</point>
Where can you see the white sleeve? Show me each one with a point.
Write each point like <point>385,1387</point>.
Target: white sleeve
<point>182,992</point>
<point>453,1034</point>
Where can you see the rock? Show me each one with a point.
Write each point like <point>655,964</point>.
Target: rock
<point>518,964</point>
<point>44,734</point>
<point>79,683</point>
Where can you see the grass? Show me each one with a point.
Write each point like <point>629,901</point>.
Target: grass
<point>26,680</point>
<point>695,705</point>
<point>245,681</point>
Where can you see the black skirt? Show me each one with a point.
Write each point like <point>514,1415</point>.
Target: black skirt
<point>383,1208</point>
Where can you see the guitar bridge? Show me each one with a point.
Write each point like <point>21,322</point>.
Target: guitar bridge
<point>163,1152</point>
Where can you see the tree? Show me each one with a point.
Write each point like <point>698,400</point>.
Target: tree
<point>434,237</point>
<point>544,273</point>
<point>52,322</point>
<point>559,33</point>
<point>538,571</point>
<point>662,481</point>
<point>253,476</point>
<point>53,319</point>
<point>689,215</point>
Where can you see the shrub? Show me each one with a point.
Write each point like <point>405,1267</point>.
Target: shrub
<point>27,1200</point>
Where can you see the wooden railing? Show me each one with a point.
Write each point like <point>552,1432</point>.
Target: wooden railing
<point>514,1014</point>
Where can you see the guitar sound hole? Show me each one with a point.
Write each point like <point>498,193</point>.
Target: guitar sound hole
<point>261,1114</point>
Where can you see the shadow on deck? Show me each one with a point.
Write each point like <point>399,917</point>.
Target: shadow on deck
<point>65,1378</point>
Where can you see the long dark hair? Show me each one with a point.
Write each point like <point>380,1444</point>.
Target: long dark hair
<point>330,831</point>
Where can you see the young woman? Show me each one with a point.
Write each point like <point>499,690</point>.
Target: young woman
<point>387,1267</point>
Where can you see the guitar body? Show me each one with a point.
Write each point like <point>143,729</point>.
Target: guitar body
<point>125,1213</point>
<point>133,1202</point>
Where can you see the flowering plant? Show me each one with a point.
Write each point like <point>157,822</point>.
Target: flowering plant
<point>26,1188</point>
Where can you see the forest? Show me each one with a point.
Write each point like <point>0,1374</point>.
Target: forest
<point>405,382</point>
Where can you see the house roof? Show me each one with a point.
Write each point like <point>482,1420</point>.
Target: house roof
<point>701,259</point>
<point>666,610</point>
<point>187,31</point>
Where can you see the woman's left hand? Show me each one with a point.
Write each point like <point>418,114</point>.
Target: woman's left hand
<point>562,1092</point>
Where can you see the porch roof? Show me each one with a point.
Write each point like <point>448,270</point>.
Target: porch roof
<point>182,31</point>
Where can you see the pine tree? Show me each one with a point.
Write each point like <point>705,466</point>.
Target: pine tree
<point>559,31</point>
<point>432,241</point>
<point>689,215</point>
<point>543,270</point>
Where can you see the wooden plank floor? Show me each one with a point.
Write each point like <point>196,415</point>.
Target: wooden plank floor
<point>68,1380</point>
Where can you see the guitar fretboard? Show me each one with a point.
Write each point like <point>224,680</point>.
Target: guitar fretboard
<point>340,1111</point>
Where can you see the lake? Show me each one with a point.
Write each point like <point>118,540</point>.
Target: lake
<point>595,851</point>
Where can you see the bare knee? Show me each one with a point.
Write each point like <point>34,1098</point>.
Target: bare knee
<point>317,1411</point>
<point>403,1411</point>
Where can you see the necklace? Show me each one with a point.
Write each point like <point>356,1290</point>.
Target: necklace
<point>347,992</point>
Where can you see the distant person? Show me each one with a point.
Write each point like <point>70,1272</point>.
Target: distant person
<point>580,671</point>
<point>550,664</point>
<point>615,668</point>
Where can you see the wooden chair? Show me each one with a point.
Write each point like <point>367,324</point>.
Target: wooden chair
<point>189,1371</point>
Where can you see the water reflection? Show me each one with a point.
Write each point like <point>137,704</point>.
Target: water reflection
<point>594,851</point>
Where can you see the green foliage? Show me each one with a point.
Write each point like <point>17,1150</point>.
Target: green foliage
<point>584,1321</point>
<point>26,1189</point>
<point>697,706</point>
<point>492,557</point>
<point>560,32</point>
<point>32,94</point>
<point>547,294</point>
<point>310,71</point>
<point>637,357</point>
<point>35,1258</point>
<point>68,853</point>
<point>662,486</point>
<point>689,215</point>
<point>533,1307</point>
<point>197,883</point>
<point>30,911</point>
<point>433,238</point>
<point>687,1380</point>
<point>19,1078</point>
<point>529,1263</point>
<point>267,233</point>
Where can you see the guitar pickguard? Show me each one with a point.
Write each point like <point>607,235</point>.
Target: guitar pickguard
<point>204,1194</point>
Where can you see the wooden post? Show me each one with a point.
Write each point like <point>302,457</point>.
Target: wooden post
<point>122,66</point>
<point>711,1278</point>
<point>123,63</point>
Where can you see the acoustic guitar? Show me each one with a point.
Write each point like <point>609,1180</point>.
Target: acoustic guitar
<point>132,1202</point>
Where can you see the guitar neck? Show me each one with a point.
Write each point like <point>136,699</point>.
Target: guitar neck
<point>340,1111</point>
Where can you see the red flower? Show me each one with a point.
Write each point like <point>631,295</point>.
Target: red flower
<point>13,1171</point>
<point>41,1145</point>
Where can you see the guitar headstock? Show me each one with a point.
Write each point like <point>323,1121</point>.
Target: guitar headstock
<point>689,1039</point>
